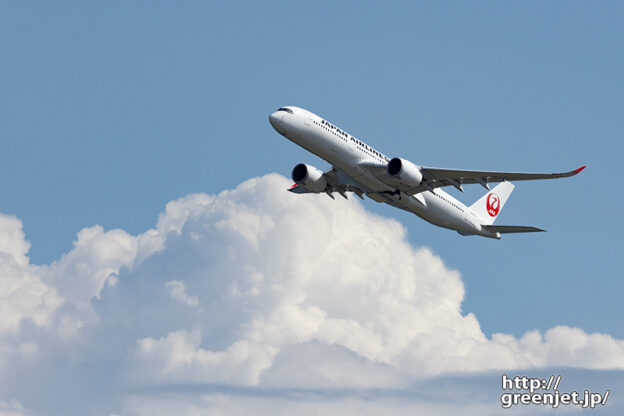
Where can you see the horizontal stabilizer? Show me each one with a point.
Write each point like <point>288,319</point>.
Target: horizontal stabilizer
<point>509,229</point>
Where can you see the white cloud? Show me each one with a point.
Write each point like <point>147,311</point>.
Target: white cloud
<point>181,360</point>
<point>96,257</point>
<point>177,289</point>
<point>261,288</point>
<point>13,408</point>
<point>23,293</point>
<point>12,239</point>
<point>302,404</point>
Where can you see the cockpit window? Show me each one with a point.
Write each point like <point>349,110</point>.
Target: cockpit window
<point>288,110</point>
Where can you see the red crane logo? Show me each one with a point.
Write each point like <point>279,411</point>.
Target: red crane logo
<point>492,204</point>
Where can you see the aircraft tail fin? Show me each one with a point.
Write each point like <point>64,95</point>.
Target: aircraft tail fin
<point>489,205</point>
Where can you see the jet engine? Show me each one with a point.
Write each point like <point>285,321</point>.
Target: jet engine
<point>405,175</point>
<point>309,177</point>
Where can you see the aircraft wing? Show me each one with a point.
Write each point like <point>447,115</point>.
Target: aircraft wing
<point>436,177</point>
<point>333,185</point>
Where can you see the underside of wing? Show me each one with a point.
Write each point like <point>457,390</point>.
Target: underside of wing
<point>297,189</point>
<point>334,184</point>
<point>436,177</point>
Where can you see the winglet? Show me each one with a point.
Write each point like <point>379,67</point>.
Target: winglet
<point>568,174</point>
<point>579,169</point>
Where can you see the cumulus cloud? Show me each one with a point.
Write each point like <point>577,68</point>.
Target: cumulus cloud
<point>23,293</point>
<point>95,259</point>
<point>178,292</point>
<point>258,288</point>
<point>13,408</point>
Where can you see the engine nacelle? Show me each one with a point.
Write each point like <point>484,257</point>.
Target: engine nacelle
<point>405,175</point>
<point>309,177</point>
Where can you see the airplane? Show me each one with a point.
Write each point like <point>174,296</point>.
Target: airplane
<point>362,170</point>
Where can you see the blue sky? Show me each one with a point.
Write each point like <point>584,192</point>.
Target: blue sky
<point>109,111</point>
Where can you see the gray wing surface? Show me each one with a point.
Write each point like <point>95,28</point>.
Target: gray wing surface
<point>333,185</point>
<point>436,177</point>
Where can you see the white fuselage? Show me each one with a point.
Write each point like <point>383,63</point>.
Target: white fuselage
<point>350,155</point>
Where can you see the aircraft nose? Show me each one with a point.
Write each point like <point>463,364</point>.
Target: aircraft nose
<point>276,120</point>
